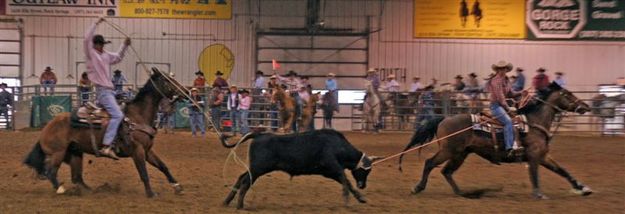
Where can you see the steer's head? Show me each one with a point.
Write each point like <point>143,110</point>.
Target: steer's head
<point>362,170</point>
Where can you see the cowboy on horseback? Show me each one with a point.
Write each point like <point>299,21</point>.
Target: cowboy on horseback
<point>98,66</point>
<point>499,89</point>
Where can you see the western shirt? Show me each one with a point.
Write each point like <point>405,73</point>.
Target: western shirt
<point>99,64</point>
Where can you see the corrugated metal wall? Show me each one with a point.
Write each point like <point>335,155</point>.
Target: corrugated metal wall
<point>47,44</point>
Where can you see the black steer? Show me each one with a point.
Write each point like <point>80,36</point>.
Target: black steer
<point>322,152</point>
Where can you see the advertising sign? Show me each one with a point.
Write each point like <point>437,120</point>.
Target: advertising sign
<point>96,8</point>
<point>177,9</point>
<point>576,19</point>
<point>481,19</point>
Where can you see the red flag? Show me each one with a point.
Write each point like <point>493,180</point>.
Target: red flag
<point>275,64</point>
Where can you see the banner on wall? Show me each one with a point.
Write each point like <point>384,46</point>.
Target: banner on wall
<point>174,9</point>
<point>96,8</point>
<point>480,19</point>
<point>177,9</point>
<point>576,19</point>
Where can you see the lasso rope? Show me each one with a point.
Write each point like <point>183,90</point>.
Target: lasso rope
<point>232,154</point>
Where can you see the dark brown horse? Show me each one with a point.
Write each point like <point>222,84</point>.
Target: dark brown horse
<point>455,149</point>
<point>61,142</point>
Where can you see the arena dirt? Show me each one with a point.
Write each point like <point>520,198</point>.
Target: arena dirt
<point>198,163</point>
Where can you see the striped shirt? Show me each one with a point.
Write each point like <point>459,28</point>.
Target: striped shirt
<point>498,88</point>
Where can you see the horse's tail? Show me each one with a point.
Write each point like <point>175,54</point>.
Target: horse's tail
<point>424,133</point>
<point>246,137</point>
<point>36,159</point>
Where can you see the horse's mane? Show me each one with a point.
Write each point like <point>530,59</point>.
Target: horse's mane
<point>145,91</point>
<point>536,106</point>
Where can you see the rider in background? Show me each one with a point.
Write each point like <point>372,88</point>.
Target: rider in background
<point>499,87</point>
<point>98,66</point>
<point>541,82</point>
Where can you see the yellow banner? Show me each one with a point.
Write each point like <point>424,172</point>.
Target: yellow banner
<point>176,9</point>
<point>482,19</point>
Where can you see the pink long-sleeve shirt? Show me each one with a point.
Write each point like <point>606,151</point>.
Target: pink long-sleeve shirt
<point>99,64</point>
<point>245,103</point>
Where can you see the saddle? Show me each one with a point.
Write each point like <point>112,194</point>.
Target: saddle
<point>89,115</point>
<point>485,122</point>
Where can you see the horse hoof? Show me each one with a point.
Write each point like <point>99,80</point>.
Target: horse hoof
<point>151,194</point>
<point>585,191</point>
<point>541,196</point>
<point>61,190</point>
<point>178,189</point>
<point>362,200</point>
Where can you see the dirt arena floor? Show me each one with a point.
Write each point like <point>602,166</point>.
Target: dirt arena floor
<point>198,164</point>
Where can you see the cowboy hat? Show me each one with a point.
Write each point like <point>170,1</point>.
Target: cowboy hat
<point>4,84</point>
<point>391,76</point>
<point>371,70</point>
<point>199,73</point>
<point>331,74</point>
<point>541,70</point>
<point>194,89</point>
<point>502,64</point>
<point>559,73</point>
<point>273,77</point>
<point>416,78</point>
<point>117,71</point>
<point>291,73</point>
<point>99,39</point>
<point>458,77</point>
<point>48,68</point>
<point>218,73</point>
<point>259,72</point>
<point>519,69</point>
<point>233,86</point>
<point>473,75</point>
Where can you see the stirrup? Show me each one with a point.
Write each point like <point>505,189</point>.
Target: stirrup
<point>108,153</point>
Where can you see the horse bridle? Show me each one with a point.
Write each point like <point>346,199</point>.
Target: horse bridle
<point>564,95</point>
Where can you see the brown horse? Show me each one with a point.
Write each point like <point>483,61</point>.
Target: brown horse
<point>286,107</point>
<point>308,113</point>
<point>455,149</point>
<point>61,142</point>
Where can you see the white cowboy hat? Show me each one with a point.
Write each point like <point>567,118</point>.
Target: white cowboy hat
<point>392,76</point>
<point>371,70</point>
<point>194,89</point>
<point>502,64</point>
<point>331,74</point>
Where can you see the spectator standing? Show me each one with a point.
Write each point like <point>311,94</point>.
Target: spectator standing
<point>166,110</point>
<point>200,81</point>
<point>333,88</point>
<point>217,99</point>
<point>391,84</point>
<point>6,102</point>
<point>84,87</point>
<point>196,115</point>
<point>519,83</point>
<point>560,79</point>
<point>244,111</point>
<point>48,80</point>
<point>426,102</point>
<point>458,83</point>
<point>118,82</point>
<point>541,81</point>
<point>259,82</point>
<point>220,82</point>
<point>415,85</point>
<point>233,107</point>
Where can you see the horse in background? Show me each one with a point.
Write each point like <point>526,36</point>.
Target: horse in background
<point>328,105</point>
<point>401,105</point>
<point>286,106</point>
<point>605,106</point>
<point>308,113</point>
<point>371,110</point>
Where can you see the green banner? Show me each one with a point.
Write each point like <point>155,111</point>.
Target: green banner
<point>181,118</point>
<point>45,108</point>
<point>575,20</point>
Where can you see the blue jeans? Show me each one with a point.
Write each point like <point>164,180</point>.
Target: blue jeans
<point>196,119</point>
<point>216,115</point>
<point>508,129</point>
<point>48,84</point>
<point>106,98</point>
<point>245,127</point>
<point>234,118</point>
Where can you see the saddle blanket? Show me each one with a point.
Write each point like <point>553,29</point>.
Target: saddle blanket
<point>520,123</point>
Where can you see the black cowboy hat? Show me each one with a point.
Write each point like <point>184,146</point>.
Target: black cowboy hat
<point>244,91</point>
<point>218,73</point>
<point>473,75</point>
<point>429,87</point>
<point>559,73</point>
<point>48,68</point>
<point>99,39</point>
<point>458,77</point>
<point>259,72</point>
<point>519,69</point>
<point>541,70</point>
<point>4,84</point>
<point>117,71</point>
<point>199,72</point>
<point>291,73</point>
<point>304,77</point>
